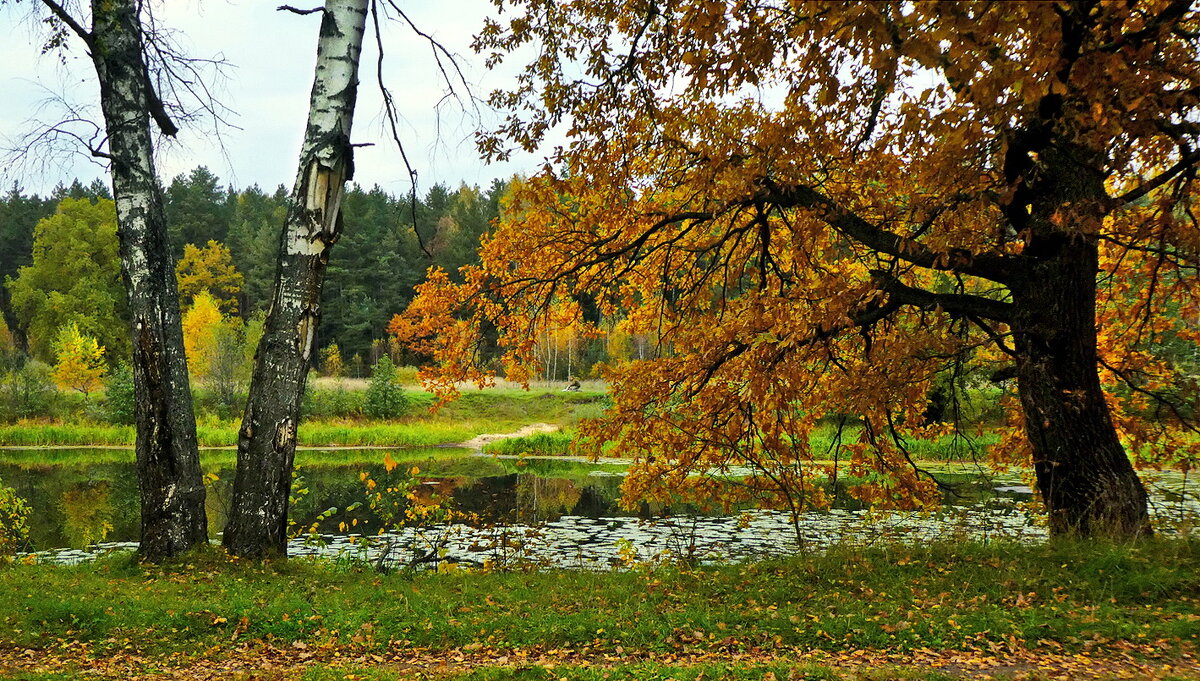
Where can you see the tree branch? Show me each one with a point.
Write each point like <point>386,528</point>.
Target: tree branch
<point>997,268</point>
<point>957,304</point>
<point>293,10</point>
<point>1175,409</point>
<point>70,21</point>
<point>1187,162</point>
<point>154,105</point>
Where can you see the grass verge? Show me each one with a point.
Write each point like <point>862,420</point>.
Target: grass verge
<point>487,411</point>
<point>1077,597</point>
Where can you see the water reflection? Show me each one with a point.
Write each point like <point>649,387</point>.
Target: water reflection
<point>88,513</point>
<point>95,498</point>
<point>83,497</point>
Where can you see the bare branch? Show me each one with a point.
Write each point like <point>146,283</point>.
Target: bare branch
<point>58,131</point>
<point>391,115</point>
<point>439,53</point>
<point>179,85</point>
<point>293,10</point>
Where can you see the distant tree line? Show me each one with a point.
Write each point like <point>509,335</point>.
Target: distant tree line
<point>226,240</point>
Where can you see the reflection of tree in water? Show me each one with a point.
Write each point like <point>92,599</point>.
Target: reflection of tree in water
<point>543,498</point>
<point>87,514</point>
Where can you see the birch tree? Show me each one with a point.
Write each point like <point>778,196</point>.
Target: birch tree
<point>267,439</point>
<point>172,491</point>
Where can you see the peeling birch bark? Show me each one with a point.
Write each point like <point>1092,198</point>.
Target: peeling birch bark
<point>267,440</point>
<point>168,465</point>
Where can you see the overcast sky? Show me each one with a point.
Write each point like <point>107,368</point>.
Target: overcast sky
<point>271,56</point>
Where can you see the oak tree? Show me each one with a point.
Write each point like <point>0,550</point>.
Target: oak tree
<point>816,207</point>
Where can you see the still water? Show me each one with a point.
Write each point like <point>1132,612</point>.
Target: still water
<point>539,511</point>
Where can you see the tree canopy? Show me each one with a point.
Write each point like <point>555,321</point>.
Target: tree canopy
<point>818,208</point>
<point>209,269</point>
<point>75,276</point>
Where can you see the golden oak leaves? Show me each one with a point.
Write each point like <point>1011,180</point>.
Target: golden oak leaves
<point>687,121</point>
<point>1149,328</point>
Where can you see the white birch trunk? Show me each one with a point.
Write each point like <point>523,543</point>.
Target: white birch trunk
<point>168,466</point>
<point>267,440</point>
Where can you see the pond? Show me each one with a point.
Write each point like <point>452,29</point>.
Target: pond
<point>552,512</point>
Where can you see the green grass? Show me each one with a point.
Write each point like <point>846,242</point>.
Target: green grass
<point>557,443</point>
<point>318,434</point>
<point>44,434</point>
<point>897,597</point>
<point>41,459</point>
<point>488,411</point>
<point>943,449</point>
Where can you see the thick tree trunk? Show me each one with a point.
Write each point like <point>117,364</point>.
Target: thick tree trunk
<point>1083,474</point>
<point>168,466</point>
<point>267,440</point>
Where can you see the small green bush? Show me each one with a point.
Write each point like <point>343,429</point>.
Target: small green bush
<point>557,443</point>
<point>385,398</point>
<point>27,392</point>
<point>14,522</point>
<point>407,375</point>
<point>338,403</point>
<point>119,399</point>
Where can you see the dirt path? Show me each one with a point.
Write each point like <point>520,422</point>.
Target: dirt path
<point>477,443</point>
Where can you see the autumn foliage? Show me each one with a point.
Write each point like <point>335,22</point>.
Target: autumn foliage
<point>209,269</point>
<point>203,326</point>
<point>820,209</point>
<point>80,364</point>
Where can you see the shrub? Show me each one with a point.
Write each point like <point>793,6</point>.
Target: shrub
<point>27,392</point>
<point>14,522</point>
<point>407,375</point>
<point>119,399</point>
<point>385,398</point>
<point>338,403</point>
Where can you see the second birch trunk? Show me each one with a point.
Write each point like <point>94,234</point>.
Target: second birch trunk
<point>267,440</point>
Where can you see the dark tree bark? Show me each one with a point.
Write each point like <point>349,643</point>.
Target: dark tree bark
<point>1085,477</point>
<point>1083,474</point>
<point>267,440</point>
<point>169,478</point>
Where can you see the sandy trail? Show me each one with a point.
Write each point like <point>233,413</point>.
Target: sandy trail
<point>477,443</point>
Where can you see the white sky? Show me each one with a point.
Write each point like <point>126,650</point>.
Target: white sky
<point>272,55</point>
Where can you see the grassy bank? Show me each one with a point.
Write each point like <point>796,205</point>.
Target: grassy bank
<point>822,444</point>
<point>318,434</point>
<point>488,411</point>
<point>539,444</point>
<point>1091,599</point>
